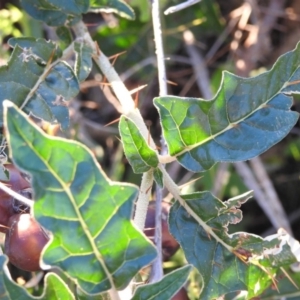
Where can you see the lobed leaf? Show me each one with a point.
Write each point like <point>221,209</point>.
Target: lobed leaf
<point>141,157</point>
<point>55,288</point>
<point>94,239</point>
<point>119,7</point>
<point>165,288</point>
<point>36,80</point>
<point>226,262</point>
<point>245,118</point>
<point>56,12</point>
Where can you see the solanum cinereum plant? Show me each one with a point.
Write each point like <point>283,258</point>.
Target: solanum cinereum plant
<point>94,238</point>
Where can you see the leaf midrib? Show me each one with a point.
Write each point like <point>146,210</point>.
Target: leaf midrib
<point>136,147</point>
<point>230,126</point>
<point>71,198</point>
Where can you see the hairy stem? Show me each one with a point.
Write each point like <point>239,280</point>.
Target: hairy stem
<point>117,85</point>
<point>143,200</point>
<point>157,268</point>
<point>162,80</point>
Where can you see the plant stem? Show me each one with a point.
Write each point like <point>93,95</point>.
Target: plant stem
<point>120,90</point>
<point>128,109</point>
<point>113,294</point>
<point>162,80</point>
<point>125,99</point>
<point>157,268</point>
<point>143,200</point>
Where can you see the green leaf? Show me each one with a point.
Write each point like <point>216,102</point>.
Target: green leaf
<point>4,174</point>
<point>40,49</point>
<point>55,288</point>
<point>288,283</point>
<point>158,177</point>
<point>245,118</point>
<point>64,34</point>
<point>83,63</point>
<point>56,12</point>
<point>119,7</point>
<point>141,157</point>
<point>144,9</point>
<point>288,278</point>
<point>286,288</point>
<point>94,239</point>
<point>227,263</point>
<point>37,80</point>
<point>165,288</point>
<point>80,295</point>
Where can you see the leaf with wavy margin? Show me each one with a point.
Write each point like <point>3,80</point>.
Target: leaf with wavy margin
<point>55,288</point>
<point>226,262</point>
<point>94,239</point>
<point>119,7</point>
<point>165,288</point>
<point>288,283</point>
<point>245,118</point>
<point>37,80</point>
<point>56,12</point>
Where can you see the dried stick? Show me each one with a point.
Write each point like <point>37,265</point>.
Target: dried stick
<point>251,183</point>
<point>199,65</point>
<point>274,203</point>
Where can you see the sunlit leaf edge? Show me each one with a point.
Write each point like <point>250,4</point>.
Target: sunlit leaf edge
<point>251,258</point>
<point>213,133</point>
<point>165,288</point>
<point>141,157</point>
<point>60,290</point>
<point>146,252</point>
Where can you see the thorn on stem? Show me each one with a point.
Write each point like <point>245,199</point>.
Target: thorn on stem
<point>98,51</point>
<point>148,189</point>
<point>112,122</point>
